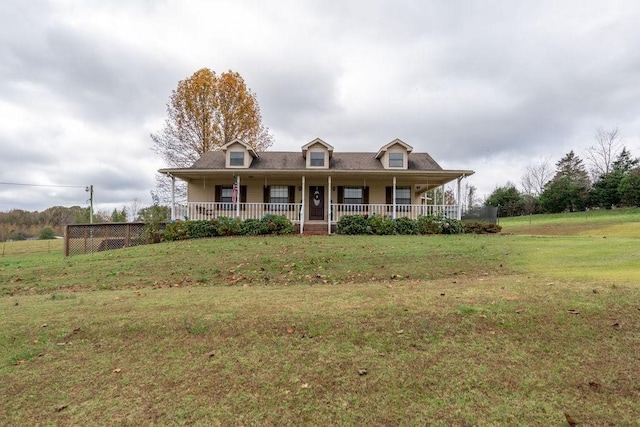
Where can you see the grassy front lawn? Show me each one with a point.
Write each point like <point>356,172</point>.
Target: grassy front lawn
<point>398,330</point>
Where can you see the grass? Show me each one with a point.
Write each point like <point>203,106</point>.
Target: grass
<point>514,329</point>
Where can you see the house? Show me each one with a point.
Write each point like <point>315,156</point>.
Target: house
<point>315,186</point>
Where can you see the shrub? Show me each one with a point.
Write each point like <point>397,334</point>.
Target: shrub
<point>47,233</point>
<point>353,224</point>
<point>479,227</point>
<point>227,226</point>
<point>427,224</point>
<point>253,227</point>
<point>406,225</point>
<point>452,226</point>
<point>382,225</point>
<point>199,229</point>
<point>175,231</point>
<point>277,224</point>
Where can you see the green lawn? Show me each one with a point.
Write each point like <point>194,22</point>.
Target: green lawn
<point>512,329</point>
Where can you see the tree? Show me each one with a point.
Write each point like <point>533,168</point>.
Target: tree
<point>600,155</point>
<point>606,191</point>
<point>629,188</point>
<point>47,233</point>
<point>536,176</point>
<point>118,216</point>
<point>205,112</point>
<point>508,199</point>
<point>569,188</point>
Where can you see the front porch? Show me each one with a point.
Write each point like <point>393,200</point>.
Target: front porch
<point>295,211</point>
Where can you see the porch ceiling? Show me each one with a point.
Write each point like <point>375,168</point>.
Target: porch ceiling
<point>426,180</point>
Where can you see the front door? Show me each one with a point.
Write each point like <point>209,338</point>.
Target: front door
<point>316,202</point>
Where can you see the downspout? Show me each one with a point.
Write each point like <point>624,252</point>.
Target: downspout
<point>302,213</point>
<point>329,213</point>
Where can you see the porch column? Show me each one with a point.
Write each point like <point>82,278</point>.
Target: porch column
<point>329,212</point>
<point>459,200</point>
<point>173,197</point>
<point>302,213</point>
<point>238,197</point>
<point>393,196</point>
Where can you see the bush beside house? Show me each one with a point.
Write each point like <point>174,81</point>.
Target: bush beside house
<point>378,225</point>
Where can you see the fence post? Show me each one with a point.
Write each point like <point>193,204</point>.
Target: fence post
<point>66,240</point>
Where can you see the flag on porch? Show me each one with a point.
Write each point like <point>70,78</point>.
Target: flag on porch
<point>234,193</point>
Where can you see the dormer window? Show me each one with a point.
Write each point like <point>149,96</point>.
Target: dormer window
<point>396,160</point>
<point>236,158</point>
<point>317,159</point>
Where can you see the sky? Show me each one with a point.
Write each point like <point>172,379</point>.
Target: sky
<point>491,86</point>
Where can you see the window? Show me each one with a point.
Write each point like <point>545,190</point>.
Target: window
<point>279,194</point>
<point>236,158</point>
<point>396,160</point>
<point>353,195</point>
<point>403,195</point>
<point>317,158</point>
<point>226,194</point>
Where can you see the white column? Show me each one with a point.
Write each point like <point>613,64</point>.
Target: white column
<point>238,197</point>
<point>302,208</point>
<point>329,205</point>
<point>459,200</point>
<point>393,197</point>
<point>173,197</point>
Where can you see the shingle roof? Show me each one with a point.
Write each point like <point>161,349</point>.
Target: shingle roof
<point>288,160</point>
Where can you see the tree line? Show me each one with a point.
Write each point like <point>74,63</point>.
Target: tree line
<point>613,180</point>
<point>18,224</point>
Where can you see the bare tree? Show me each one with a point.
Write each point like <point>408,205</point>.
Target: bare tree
<point>601,155</point>
<point>536,176</point>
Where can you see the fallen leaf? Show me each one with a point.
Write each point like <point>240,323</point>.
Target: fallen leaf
<point>570,420</point>
<point>594,385</point>
<point>616,325</point>
<point>211,353</point>
<point>362,372</point>
<point>573,312</point>
<point>61,407</point>
<point>520,310</point>
<point>595,291</point>
<point>44,325</point>
<point>291,330</point>
<point>117,371</point>
<point>400,331</point>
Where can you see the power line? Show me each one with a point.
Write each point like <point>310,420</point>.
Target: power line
<point>43,185</point>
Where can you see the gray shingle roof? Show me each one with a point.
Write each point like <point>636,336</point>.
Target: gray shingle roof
<point>288,160</point>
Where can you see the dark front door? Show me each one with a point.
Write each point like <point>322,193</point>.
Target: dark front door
<point>316,202</point>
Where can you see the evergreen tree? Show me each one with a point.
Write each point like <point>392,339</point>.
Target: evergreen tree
<point>568,190</point>
<point>508,199</point>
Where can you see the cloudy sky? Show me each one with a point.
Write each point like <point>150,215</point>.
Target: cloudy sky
<point>486,85</point>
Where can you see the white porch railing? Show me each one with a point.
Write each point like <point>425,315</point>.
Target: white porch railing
<point>292,211</point>
<point>210,210</point>
<point>410,211</point>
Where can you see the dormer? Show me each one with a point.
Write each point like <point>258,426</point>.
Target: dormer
<point>317,154</point>
<point>395,155</point>
<point>238,155</point>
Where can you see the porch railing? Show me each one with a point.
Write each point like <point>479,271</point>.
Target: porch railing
<point>410,211</point>
<point>292,211</point>
<point>210,210</point>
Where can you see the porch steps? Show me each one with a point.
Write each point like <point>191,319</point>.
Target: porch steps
<point>315,230</point>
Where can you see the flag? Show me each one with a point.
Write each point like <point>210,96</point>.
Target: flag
<point>234,193</point>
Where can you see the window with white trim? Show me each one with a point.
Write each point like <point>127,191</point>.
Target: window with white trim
<point>396,160</point>
<point>403,195</point>
<point>317,158</point>
<point>352,195</point>
<point>279,194</point>
<point>226,194</point>
<point>236,158</point>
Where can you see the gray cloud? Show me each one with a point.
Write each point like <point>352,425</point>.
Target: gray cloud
<point>487,86</point>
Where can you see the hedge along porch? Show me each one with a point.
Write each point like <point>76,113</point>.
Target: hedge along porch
<point>314,186</point>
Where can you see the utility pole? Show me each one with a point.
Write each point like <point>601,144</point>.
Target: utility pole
<point>90,190</point>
